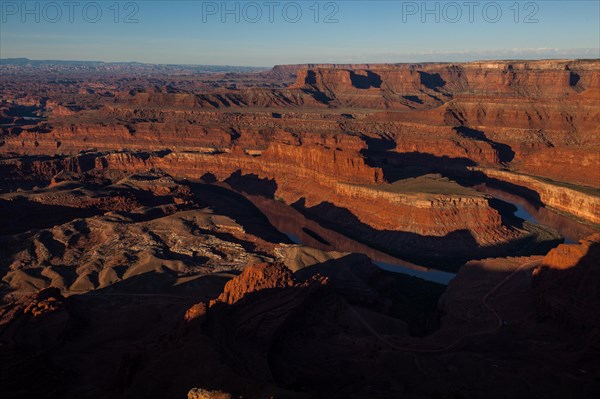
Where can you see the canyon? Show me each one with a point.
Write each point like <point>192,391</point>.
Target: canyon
<point>315,230</point>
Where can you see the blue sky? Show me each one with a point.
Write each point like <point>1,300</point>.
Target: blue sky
<point>264,34</point>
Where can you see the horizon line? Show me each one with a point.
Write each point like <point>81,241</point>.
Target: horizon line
<point>303,63</point>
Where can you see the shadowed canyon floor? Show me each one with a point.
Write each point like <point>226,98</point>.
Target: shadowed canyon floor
<point>312,231</point>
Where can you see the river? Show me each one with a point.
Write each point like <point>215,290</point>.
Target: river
<point>571,230</point>
<point>304,231</point>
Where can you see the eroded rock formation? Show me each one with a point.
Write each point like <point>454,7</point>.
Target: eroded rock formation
<point>566,287</point>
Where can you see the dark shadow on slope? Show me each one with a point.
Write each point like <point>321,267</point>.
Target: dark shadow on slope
<point>318,95</point>
<point>237,207</point>
<point>370,80</point>
<point>315,236</point>
<point>432,81</point>
<point>164,283</point>
<point>507,213</point>
<point>414,99</point>
<point>312,89</point>
<point>403,165</point>
<point>473,178</point>
<point>566,226</point>
<point>21,215</point>
<point>377,144</point>
<point>258,331</point>
<point>311,78</point>
<point>574,79</point>
<point>208,178</point>
<point>505,152</point>
<point>23,111</point>
<point>569,295</point>
<point>252,184</point>
<point>107,335</point>
<point>443,253</point>
<point>397,295</point>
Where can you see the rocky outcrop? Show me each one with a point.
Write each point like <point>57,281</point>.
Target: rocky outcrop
<point>566,286</point>
<point>255,278</point>
<point>36,305</point>
<point>199,393</point>
<point>567,256</point>
<point>39,320</point>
